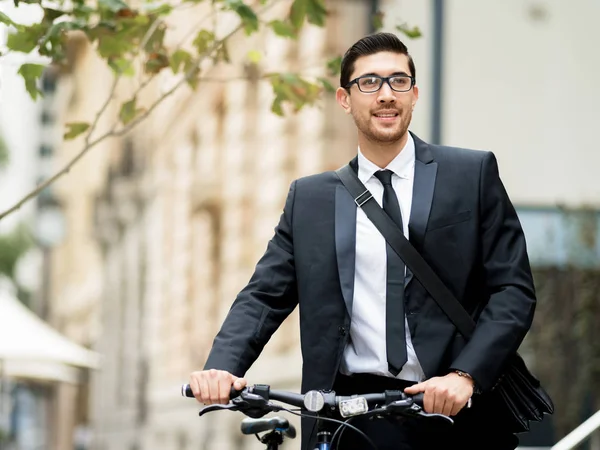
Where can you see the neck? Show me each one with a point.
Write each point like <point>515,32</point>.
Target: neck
<point>381,153</point>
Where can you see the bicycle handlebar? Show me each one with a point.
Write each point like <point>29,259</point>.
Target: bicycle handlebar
<point>295,399</point>
<point>255,401</point>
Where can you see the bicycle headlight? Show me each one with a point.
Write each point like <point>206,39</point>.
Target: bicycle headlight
<point>353,407</point>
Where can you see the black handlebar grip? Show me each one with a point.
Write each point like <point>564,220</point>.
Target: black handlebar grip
<point>253,426</point>
<point>186,391</point>
<point>418,398</point>
<point>234,393</point>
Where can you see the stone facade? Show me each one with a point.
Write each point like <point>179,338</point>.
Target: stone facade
<point>165,227</point>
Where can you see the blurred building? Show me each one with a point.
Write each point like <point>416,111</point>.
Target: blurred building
<point>19,125</point>
<point>164,226</point>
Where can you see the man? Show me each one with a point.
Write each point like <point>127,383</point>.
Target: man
<point>328,258</point>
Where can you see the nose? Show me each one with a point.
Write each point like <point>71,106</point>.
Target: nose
<point>386,94</point>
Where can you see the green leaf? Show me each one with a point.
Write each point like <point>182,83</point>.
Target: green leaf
<point>156,62</point>
<point>113,5</point>
<point>316,12</point>
<point>75,129</point>
<point>334,66</point>
<point>180,58</point>
<point>160,10</point>
<point>113,45</point>
<point>31,73</point>
<point>7,20</point>
<point>121,66</point>
<point>57,29</point>
<point>192,73</point>
<point>298,13</point>
<point>222,53</point>
<point>377,20</point>
<point>327,85</point>
<point>277,105</point>
<point>128,111</point>
<point>13,245</point>
<point>4,154</point>
<point>412,33</point>
<point>247,14</point>
<point>290,88</point>
<point>50,14</point>
<point>254,56</point>
<point>156,41</point>
<point>25,39</point>
<point>203,40</point>
<point>83,11</point>
<point>283,29</point>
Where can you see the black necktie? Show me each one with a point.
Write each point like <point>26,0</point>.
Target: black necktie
<point>394,298</point>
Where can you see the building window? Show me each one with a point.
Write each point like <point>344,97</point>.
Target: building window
<point>559,237</point>
<point>45,151</point>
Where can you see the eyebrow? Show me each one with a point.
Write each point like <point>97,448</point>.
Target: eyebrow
<point>373,74</point>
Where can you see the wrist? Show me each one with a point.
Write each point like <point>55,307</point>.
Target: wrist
<point>468,376</point>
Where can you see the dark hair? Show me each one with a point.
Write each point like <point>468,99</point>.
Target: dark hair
<point>374,43</point>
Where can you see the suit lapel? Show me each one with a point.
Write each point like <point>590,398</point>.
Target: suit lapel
<point>345,240</point>
<point>423,187</point>
<point>345,217</point>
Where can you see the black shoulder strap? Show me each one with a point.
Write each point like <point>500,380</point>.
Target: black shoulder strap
<point>411,257</point>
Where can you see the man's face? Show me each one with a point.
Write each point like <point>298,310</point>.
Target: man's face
<point>382,116</point>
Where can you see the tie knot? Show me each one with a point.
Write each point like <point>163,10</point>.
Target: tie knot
<point>385,176</point>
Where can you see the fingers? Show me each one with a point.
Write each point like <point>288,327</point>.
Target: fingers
<point>415,388</point>
<point>195,385</point>
<point>429,401</point>
<point>441,396</point>
<point>239,384</point>
<point>204,390</point>
<point>439,401</point>
<point>213,386</point>
<point>448,406</point>
<point>223,391</point>
<point>456,409</point>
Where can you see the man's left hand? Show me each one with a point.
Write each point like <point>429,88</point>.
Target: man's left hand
<point>444,395</point>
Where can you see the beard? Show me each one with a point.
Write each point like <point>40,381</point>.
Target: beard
<point>381,134</point>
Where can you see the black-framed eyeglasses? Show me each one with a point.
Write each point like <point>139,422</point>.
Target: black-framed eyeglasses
<point>372,83</point>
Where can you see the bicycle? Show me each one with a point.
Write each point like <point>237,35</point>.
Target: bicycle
<point>256,401</point>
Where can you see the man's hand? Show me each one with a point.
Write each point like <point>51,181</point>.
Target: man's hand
<point>214,386</point>
<point>444,395</point>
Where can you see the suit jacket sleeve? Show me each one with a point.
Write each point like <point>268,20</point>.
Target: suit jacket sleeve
<point>508,314</point>
<point>260,308</point>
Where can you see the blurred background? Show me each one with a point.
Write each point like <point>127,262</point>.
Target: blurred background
<point>117,277</point>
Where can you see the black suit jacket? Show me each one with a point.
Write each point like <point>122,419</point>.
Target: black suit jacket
<point>465,227</point>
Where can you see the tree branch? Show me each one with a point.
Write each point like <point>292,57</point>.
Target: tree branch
<point>112,133</point>
<point>100,111</point>
<point>53,178</point>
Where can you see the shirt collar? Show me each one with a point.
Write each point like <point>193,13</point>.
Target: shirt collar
<point>402,165</point>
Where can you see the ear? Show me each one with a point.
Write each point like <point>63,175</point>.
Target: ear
<point>415,91</point>
<point>343,98</point>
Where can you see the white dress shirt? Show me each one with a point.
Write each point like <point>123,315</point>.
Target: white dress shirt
<point>366,350</point>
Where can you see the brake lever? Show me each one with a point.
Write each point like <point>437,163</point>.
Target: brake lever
<point>409,407</point>
<point>218,407</point>
<point>404,406</point>
<point>250,404</point>
<point>447,419</point>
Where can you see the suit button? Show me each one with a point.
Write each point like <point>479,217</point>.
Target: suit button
<point>342,331</point>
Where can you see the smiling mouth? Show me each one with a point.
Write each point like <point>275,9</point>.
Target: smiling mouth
<point>386,117</point>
